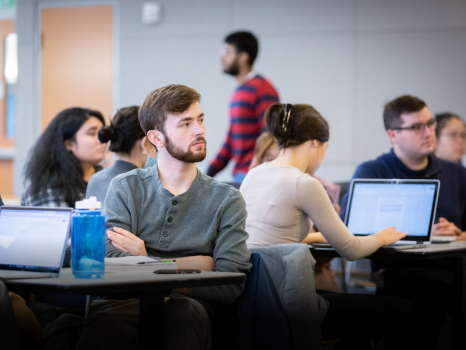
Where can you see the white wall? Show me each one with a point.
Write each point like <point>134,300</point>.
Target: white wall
<point>346,58</point>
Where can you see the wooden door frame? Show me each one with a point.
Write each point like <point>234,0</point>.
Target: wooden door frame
<point>38,51</point>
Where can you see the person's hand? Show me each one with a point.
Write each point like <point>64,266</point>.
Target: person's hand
<point>126,241</point>
<point>461,237</point>
<point>389,235</point>
<point>314,238</point>
<point>446,228</point>
<point>15,298</point>
<point>200,262</point>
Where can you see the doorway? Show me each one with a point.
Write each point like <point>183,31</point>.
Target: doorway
<point>76,59</point>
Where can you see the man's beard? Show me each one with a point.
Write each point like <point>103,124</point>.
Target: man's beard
<point>186,156</point>
<point>233,69</point>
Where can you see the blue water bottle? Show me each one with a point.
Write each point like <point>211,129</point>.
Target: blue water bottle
<point>88,239</point>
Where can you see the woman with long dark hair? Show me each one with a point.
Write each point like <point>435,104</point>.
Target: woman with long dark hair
<point>131,146</point>
<point>64,158</point>
<point>282,195</point>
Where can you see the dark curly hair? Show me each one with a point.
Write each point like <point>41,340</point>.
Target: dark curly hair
<point>50,164</point>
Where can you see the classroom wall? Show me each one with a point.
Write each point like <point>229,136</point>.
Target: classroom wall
<point>346,58</point>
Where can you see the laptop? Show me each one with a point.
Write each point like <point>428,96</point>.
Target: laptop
<point>409,205</point>
<point>33,241</point>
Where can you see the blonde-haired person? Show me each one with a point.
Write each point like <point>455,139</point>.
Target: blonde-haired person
<point>265,150</point>
<point>282,195</point>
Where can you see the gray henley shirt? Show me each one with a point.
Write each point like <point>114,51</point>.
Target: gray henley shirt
<point>208,219</point>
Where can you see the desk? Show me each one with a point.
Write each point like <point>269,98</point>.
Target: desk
<point>150,288</point>
<point>453,253</point>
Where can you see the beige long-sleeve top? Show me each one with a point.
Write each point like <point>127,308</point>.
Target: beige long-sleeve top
<point>281,200</point>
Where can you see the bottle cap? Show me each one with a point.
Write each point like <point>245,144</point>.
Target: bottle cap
<point>90,204</point>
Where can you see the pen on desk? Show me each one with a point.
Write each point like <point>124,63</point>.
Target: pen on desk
<point>157,261</point>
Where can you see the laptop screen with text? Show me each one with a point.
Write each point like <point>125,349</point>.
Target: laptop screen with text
<point>408,206</point>
<point>33,239</point>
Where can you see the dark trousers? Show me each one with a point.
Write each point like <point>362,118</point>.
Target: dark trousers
<point>19,328</point>
<point>114,324</point>
<point>9,332</point>
<point>370,317</point>
<point>430,291</point>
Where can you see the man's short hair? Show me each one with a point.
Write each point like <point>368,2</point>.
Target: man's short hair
<point>401,105</point>
<point>173,99</point>
<point>244,42</point>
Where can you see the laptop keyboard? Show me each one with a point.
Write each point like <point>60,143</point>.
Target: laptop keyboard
<point>23,274</point>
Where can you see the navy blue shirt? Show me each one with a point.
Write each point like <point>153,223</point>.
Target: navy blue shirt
<point>1,202</point>
<point>452,196</point>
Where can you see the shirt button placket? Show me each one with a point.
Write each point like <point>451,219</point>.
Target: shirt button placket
<point>167,227</point>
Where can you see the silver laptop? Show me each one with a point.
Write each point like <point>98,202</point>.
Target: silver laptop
<point>33,241</point>
<point>409,205</point>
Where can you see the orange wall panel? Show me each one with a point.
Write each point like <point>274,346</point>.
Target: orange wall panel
<point>77,53</point>
<point>6,178</point>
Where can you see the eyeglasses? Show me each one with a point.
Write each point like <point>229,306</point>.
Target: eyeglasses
<point>419,127</point>
<point>455,135</point>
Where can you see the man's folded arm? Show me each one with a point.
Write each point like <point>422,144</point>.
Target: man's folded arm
<point>117,214</point>
<point>230,252</point>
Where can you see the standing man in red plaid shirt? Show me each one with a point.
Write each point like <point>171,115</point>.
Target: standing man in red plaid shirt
<point>251,98</point>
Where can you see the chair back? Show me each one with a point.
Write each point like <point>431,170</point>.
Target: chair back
<point>291,268</point>
<point>263,320</point>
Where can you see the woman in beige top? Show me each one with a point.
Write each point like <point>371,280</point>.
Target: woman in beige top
<point>282,197</point>
<point>266,150</point>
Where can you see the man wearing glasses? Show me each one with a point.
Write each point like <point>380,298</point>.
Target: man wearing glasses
<point>411,130</point>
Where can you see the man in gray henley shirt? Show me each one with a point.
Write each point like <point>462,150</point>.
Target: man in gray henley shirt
<point>172,210</point>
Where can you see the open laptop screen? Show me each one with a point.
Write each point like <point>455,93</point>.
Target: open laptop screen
<point>407,205</point>
<point>33,239</point>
